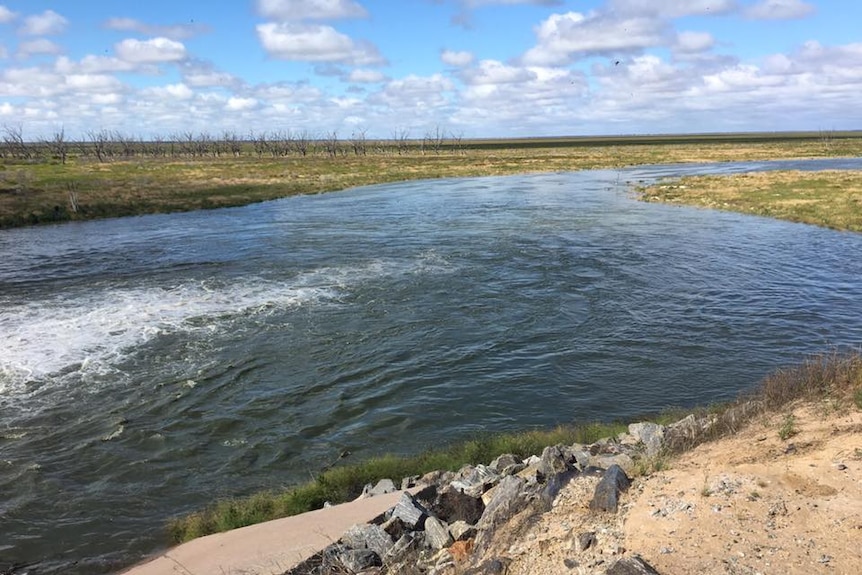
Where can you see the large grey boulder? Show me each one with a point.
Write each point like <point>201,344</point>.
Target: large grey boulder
<point>437,534</point>
<point>368,536</point>
<point>651,435</point>
<point>606,496</point>
<point>453,505</point>
<point>633,565</point>
<point>411,513</point>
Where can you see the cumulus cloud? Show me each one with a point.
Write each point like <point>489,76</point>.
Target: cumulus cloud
<point>672,8</point>
<point>315,43</point>
<point>297,10</point>
<point>412,93</point>
<point>236,104</point>
<point>91,64</point>
<point>155,50</point>
<point>779,10</point>
<point>174,32</point>
<point>477,3</point>
<point>93,83</point>
<point>171,91</point>
<point>495,72</point>
<point>457,59</point>
<point>563,38</point>
<point>6,15</point>
<point>38,46</point>
<point>45,24</point>
<point>693,42</point>
<point>365,76</point>
<point>203,74</point>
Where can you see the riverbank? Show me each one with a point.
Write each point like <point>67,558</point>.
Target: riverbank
<point>37,192</point>
<point>827,198</point>
<point>773,480</point>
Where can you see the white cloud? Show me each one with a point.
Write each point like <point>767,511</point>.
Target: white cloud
<point>457,59</point>
<point>364,76</point>
<point>414,94</point>
<point>174,32</point>
<point>38,46</point>
<point>30,82</point>
<point>6,15</point>
<point>172,91</point>
<point>296,10</point>
<point>314,43</point>
<point>477,3</point>
<point>563,38</point>
<point>235,104</point>
<point>45,24</point>
<point>694,42</point>
<point>779,10</point>
<point>155,50</point>
<point>91,64</point>
<point>672,8</point>
<point>494,72</point>
<point>94,83</point>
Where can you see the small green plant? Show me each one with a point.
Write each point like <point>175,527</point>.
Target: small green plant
<point>857,398</point>
<point>787,429</point>
<point>754,495</point>
<point>706,490</point>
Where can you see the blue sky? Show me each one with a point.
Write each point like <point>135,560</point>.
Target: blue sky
<point>475,68</point>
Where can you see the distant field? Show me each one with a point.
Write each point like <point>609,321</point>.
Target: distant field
<point>158,177</point>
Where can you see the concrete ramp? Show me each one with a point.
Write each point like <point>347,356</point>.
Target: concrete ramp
<point>269,548</point>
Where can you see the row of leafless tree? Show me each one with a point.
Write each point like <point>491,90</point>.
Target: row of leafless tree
<point>109,145</point>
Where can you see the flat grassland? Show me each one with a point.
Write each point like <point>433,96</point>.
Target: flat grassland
<point>829,198</point>
<point>45,191</point>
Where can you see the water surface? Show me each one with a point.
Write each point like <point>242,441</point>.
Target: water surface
<point>151,365</point>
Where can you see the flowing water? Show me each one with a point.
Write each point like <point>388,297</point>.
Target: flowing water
<point>151,365</point>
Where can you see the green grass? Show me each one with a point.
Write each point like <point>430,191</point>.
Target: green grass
<point>787,427</point>
<point>38,191</point>
<point>829,198</point>
<point>344,483</point>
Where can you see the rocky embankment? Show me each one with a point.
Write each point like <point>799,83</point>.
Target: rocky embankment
<point>457,521</point>
<point>760,500</point>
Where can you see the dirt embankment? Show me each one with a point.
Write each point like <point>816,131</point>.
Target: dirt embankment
<point>782,496</point>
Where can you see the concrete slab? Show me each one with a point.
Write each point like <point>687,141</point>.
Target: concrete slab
<point>269,548</point>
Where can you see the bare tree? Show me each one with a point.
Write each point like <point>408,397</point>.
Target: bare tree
<point>401,137</point>
<point>456,141</point>
<point>59,146</point>
<point>435,139</point>
<point>301,142</point>
<point>330,144</point>
<point>13,140</point>
<point>358,141</point>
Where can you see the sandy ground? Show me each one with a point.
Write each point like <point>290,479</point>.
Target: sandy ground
<point>749,504</point>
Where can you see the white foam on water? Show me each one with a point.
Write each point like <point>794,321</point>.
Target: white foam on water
<point>94,331</point>
<point>91,333</point>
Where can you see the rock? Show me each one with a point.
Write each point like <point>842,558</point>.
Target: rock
<point>409,482</point>
<point>504,462</point>
<point>571,563</point>
<point>381,488</point>
<point>474,481</point>
<point>633,565</point>
<point>395,528</point>
<point>554,460</point>
<point>402,547</point>
<point>356,560</point>
<point>587,540</point>
<point>461,530</point>
<point>606,496</point>
<point>508,499</point>
<point>437,533</point>
<point>453,505</point>
<point>368,536</point>
<point>410,512</point>
<point>651,435</point>
<point>497,566</point>
<point>607,461</point>
<point>460,550</point>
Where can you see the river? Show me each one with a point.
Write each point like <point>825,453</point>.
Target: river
<point>150,365</point>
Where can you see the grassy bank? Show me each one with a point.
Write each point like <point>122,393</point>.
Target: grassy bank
<point>830,198</point>
<point>35,192</point>
<point>832,378</point>
<point>344,483</point>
